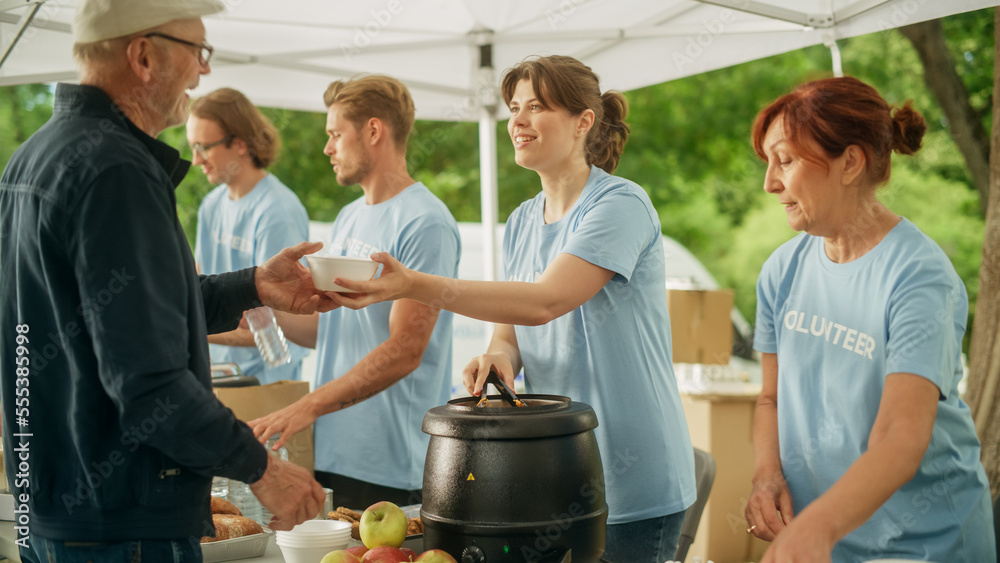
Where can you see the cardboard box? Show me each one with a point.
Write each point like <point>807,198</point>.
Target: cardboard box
<point>248,403</point>
<point>701,329</point>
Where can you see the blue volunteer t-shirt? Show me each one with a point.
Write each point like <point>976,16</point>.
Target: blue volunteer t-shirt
<point>379,440</point>
<point>233,235</point>
<point>613,352</point>
<point>839,330</point>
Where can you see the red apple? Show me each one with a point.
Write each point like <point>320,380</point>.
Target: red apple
<point>435,556</point>
<point>385,554</point>
<point>383,523</point>
<point>410,553</point>
<point>358,551</point>
<point>340,556</point>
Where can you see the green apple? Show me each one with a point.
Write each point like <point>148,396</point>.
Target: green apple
<point>383,523</point>
<point>340,556</point>
<point>435,556</point>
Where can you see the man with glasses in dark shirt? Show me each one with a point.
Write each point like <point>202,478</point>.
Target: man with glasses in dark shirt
<point>103,353</point>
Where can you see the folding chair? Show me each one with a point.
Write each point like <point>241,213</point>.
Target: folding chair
<point>704,477</point>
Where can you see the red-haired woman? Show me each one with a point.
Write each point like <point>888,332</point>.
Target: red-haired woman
<point>864,449</point>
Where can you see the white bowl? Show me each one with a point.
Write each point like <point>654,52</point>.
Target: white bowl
<point>313,536</point>
<point>313,554</point>
<point>325,269</point>
<point>315,542</point>
<point>311,527</point>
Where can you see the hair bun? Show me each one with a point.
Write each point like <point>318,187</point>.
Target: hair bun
<point>908,128</point>
<point>608,143</point>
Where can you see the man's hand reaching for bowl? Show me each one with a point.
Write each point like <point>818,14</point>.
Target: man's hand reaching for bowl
<point>284,284</point>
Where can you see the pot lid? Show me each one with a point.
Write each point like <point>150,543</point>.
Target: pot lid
<point>542,416</point>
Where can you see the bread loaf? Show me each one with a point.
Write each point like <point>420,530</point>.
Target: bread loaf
<point>229,526</point>
<point>223,506</point>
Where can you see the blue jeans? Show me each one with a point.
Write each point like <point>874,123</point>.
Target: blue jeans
<point>645,541</point>
<point>43,550</point>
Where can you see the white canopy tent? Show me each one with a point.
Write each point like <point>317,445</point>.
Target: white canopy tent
<point>449,52</point>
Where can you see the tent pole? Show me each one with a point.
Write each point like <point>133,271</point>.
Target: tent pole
<point>488,190</point>
<point>488,179</point>
<point>838,67</point>
<point>488,203</point>
<point>487,96</point>
<point>21,26</point>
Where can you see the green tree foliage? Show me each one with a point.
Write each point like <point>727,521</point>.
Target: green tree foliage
<point>969,37</point>
<point>23,109</point>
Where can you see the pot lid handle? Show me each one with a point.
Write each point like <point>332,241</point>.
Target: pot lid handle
<point>505,391</point>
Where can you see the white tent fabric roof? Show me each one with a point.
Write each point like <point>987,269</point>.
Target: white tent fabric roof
<point>285,54</point>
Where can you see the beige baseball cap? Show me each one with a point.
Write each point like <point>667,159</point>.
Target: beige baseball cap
<point>97,20</point>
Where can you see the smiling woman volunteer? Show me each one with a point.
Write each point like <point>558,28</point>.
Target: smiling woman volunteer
<point>863,446</point>
<point>584,312</point>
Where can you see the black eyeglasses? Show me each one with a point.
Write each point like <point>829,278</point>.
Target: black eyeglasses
<point>202,150</point>
<point>204,49</point>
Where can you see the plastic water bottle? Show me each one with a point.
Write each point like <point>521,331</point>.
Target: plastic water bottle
<point>265,514</point>
<point>268,336</point>
<point>220,487</point>
<point>241,496</point>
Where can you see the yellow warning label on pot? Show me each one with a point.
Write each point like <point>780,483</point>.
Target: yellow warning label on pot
<point>470,478</point>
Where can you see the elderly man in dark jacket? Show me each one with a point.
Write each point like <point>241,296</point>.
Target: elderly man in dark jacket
<point>111,429</point>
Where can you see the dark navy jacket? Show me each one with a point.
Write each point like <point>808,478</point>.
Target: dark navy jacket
<point>110,425</point>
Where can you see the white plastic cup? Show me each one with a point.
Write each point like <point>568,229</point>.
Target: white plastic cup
<point>311,540</point>
<point>293,554</point>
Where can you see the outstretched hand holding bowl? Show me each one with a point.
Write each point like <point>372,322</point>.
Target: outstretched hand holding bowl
<point>397,281</point>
